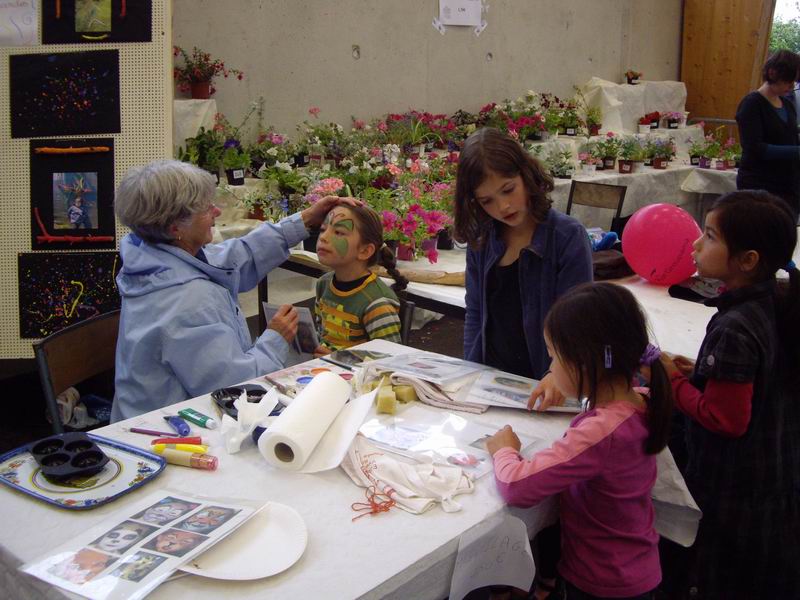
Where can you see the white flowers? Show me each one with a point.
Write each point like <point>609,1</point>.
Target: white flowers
<point>283,165</point>
<point>273,151</point>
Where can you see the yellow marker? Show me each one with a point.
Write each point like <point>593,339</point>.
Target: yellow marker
<point>198,448</point>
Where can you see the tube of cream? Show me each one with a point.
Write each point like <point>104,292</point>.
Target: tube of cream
<point>198,418</point>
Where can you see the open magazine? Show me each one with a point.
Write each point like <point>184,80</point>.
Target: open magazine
<point>450,374</point>
<point>498,388</point>
<point>306,340</point>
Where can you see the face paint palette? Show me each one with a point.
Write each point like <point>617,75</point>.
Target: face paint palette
<point>77,470</point>
<point>68,455</point>
<point>225,397</point>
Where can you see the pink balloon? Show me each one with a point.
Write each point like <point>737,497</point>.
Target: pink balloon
<point>657,243</point>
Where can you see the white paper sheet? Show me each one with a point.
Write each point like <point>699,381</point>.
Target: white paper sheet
<point>495,552</point>
<point>460,12</point>
<point>18,19</point>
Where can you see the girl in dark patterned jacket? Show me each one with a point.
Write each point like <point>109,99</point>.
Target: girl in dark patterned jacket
<point>741,405</point>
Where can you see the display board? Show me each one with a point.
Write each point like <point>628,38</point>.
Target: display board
<point>142,133</point>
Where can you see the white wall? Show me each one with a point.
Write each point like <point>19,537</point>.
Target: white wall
<point>298,53</point>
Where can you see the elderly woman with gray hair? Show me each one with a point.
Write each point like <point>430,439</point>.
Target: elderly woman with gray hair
<point>182,332</point>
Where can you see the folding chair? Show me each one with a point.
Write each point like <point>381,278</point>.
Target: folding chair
<point>406,318</point>
<point>597,195</point>
<point>75,354</point>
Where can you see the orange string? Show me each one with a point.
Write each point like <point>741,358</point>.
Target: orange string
<point>58,9</point>
<point>377,502</point>
<point>124,10</point>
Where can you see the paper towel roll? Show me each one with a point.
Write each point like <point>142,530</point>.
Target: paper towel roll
<point>292,437</point>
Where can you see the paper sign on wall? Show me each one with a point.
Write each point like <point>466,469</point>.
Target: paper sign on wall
<point>18,20</point>
<point>496,551</point>
<point>460,12</point>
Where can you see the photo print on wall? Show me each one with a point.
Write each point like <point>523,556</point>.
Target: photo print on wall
<point>96,21</point>
<point>72,194</point>
<point>69,93</point>
<point>57,289</point>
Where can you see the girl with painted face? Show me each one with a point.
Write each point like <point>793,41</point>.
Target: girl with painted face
<point>353,304</point>
<point>167,510</point>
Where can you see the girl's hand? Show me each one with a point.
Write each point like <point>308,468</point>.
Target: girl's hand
<point>545,395</point>
<point>505,438</point>
<point>683,364</point>
<point>321,350</point>
<point>315,214</point>
<point>285,322</point>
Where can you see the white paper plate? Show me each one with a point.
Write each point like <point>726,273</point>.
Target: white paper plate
<point>268,543</point>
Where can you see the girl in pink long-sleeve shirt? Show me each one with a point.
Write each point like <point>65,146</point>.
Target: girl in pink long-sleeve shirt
<point>604,467</point>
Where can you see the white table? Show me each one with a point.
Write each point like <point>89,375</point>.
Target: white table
<point>394,555</point>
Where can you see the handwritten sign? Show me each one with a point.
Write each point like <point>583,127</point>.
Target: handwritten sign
<point>466,13</point>
<point>495,552</point>
<point>18,19</point>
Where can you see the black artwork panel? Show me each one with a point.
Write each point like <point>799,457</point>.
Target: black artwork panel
<point>69,93</point>
<point>72,194</point>
<point>96,21</point>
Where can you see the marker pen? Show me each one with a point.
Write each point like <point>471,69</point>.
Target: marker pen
<point>180,426</point>
<point>196,439</point>
<point>196,461</point>
<point>159,448</point>
<point>198,418</point>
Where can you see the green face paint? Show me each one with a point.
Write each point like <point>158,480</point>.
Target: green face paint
<point>340,245</point>
<point>345,224</point>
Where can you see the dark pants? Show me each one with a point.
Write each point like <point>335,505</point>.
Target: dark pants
<point>790,196</point>
<point>574,593</point>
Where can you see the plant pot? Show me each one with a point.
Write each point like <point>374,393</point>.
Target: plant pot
<point>608,161</point>
<point>235,176</point>
<point>644,128</point>
<point>599,166</point>
<point>445,240</point>
<point>301,160</point>
<point>405,251</point>
<point>705,163</point>
<point>257,212</point>
<point>660,163</point>
<point>625,166</point>
<point>571,131</point>
<point>673,123</point>
<point>594,129</point>
<point>730,163</point>
<point>720,165</point>
<point>632,80</point>
<point>694,160</point>
<point>648,162</point>
<point>637,166</point>
<point>588,169</point>
<point>310,243</point>
<point>654,125</point>
<point>214,174</point>
<point>200,90</point>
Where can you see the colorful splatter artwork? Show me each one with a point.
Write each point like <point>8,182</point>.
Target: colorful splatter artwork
<point>65,94</point>
<point>59,289</point>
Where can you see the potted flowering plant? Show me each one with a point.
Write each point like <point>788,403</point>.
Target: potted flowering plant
<point>415,229</point>
<point>649,121</point>
<point>196,75</point>
<point>663,151</point>
<point>696,151</point>
<point>571,122</point>
<point>594,120</point>
<point>271,148</point>
<point>632,76</point>
<point>608,148</point>
<point>631,154</point>
<point>235,160</point>
<point>732,153</point>
<point>204,150</point>
<point>588,162</point>
<point>320,140</point>
<point>559,161</point>
<point>674,119</point>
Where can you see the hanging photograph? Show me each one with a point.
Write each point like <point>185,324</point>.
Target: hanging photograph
<point>57,289</point>
<point>72,194</point>
<point>96,21</point>
<point>69,93</point>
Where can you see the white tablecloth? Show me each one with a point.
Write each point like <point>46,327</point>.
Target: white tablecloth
<point>394,555</point>
<point>188,116</point>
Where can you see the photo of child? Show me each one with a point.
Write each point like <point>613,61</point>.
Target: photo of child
<point>74,200</point>
<point>122,537</point>
<point>207,519</point>
<point>138,566</point>
<point>166,510</point>
<point>82,566</point>
<point>175,542</point>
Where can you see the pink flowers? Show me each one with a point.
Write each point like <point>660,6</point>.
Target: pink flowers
<point>358,124</point>
<point>394,169</point>
<point>328,187</point>
<point>277,139</point>
<point>389,221</point>
<point>314,111</point>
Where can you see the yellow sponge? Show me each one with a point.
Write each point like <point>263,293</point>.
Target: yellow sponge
<point>405,393</point>
<point>387,401</point>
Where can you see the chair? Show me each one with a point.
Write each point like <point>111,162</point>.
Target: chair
<point>75,354</point>
<point>406,318</point>
<point>597,195</point>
